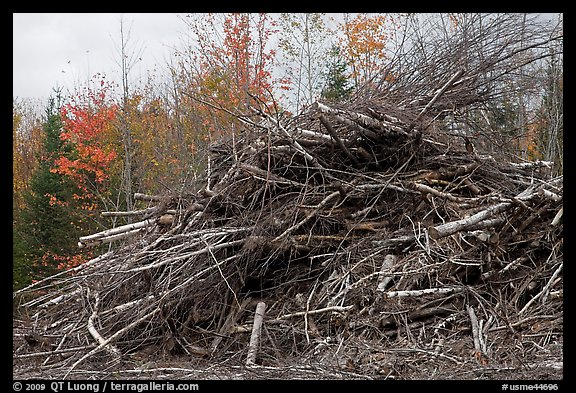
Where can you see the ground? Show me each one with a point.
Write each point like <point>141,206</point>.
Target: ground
<point>356,360</point>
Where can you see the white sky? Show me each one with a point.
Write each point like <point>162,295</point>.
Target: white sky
<point>66,49</point>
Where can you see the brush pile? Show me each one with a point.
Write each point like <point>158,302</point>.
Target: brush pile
<point>375,244</point>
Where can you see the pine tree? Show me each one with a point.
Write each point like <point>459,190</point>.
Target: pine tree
<point>44,231</point>
<point>337,86</point>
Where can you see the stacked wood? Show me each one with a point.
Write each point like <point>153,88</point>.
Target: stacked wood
<point>355,225</point>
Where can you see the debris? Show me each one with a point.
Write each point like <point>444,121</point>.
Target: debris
<point>361,229</point>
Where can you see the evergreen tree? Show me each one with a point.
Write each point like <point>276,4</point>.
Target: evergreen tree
<point>337,86</point>
<point>44,232</point>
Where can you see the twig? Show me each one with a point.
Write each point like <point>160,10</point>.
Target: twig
<point>110,239</point>
<point>318,207</point>
<point>426,189</point>
<point>217,265</point>
<point>450,82</point>
<point>117,230</point>
<point>65,272</point>
<point>544,292</point>
<point>334,135</point>
<point>311,312</point>
<point>431,353</point>
<point>230,321</point>
<point>130,213</point>
<point>295,144</point>
<point>204,250</point>
<point>475,329</point>
<point>54,352</point>
<point>450,228</point>
<point>557,217</point>
<point>145,197</point>
<point>268,176</point>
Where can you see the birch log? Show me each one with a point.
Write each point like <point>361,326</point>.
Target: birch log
<point>109,239</point>
<point>145,197</point>
<point>389,261</point>
<point>452,227</point>
<point>115,231</point>
<point>557,217</point>
<point>256,331</point>
<point>130,213</point>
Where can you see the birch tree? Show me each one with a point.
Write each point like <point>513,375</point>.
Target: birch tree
<point>304,42</point>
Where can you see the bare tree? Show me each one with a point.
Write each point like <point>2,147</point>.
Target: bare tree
<point>304,42</point>
<point>551,112</point>
<point>128,58</point>
<point>500,56</point>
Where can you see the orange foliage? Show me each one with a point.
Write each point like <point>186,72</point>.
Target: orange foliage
<point>454,20</point>
<point>231,68</point>
<point>86,120</point>
<point>63,262</point>
<point>529,141</point>
<point>365,40</point>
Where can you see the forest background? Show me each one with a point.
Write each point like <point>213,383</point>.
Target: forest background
<point>91,149</point>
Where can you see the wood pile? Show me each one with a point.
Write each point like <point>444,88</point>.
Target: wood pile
<point>369,241</point>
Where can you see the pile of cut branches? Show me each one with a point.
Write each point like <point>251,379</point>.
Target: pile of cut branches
<point>355,228</point>
<point>367,239</point>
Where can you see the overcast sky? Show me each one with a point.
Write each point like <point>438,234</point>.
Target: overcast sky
<point>66,49</point>
<point>63,49</point>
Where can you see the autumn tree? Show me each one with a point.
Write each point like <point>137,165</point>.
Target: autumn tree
<point>128,57</point>
<point>162,150</point>
<point>549,126</point>
<point>26,145</point>
<point>365,42</point>
<point>91,139</point>
<point>226,63</point>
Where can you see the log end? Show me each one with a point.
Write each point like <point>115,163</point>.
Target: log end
<point>434,233</point>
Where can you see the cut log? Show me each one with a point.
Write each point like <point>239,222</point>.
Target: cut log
<point>256,332</point>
